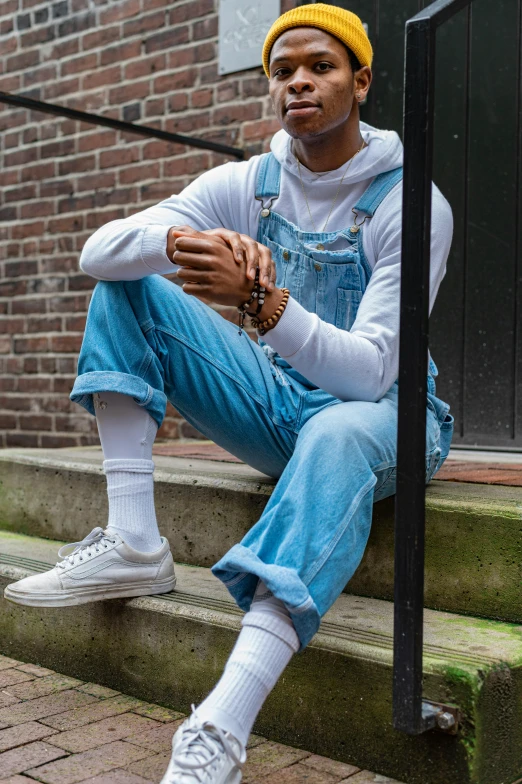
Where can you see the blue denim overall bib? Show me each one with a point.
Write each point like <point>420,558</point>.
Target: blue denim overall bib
<point>327,273</point>
<point>332,459</point>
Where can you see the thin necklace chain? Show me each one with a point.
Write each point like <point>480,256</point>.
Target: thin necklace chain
<point>338,189</point>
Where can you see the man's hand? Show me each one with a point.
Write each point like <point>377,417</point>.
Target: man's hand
<point>254,253</point>
<point>209,270</point>
<point>244,249</point>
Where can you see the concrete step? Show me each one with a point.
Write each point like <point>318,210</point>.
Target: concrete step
<point>334,699</point>
<point>473,534</point>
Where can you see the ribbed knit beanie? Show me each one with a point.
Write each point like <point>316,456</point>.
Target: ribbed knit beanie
<point>334,20</point>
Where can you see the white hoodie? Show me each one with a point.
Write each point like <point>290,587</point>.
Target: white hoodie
<point>360,364</point>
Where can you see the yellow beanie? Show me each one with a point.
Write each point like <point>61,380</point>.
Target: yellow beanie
<point>340,23</point>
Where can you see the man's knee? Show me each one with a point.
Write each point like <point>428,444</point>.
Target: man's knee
<point>337,424</point>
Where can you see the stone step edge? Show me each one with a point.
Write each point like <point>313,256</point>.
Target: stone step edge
<point>180,642</point>
<point>476,499</point>
<point>374,646</point>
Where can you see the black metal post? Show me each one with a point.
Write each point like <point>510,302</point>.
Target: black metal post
<point>410,714</point>
<point>118,125</point>
<point>411,445</point>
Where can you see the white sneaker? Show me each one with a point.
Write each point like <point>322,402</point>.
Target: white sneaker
<point>204,754</point>
<point>101,566</point>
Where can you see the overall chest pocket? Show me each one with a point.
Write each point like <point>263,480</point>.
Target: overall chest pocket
<point>290,266</point>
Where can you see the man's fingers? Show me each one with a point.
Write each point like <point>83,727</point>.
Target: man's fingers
<point>252,256</point>
<point>233,239</point>
<point>193,275</point>
<point>195,289</point>
<point>195,244</point>
<point>195,260</point>
<point>266,274</point>
<point>191,266</point>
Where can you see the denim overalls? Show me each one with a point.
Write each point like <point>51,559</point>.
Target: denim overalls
<point>332,459</point>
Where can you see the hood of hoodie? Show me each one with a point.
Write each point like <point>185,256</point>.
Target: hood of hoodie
<point>383,153</point>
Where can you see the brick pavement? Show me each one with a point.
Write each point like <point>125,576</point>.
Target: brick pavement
<point>59,730</point>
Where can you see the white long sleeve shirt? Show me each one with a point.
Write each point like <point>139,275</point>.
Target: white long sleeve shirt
<point>360,364</point>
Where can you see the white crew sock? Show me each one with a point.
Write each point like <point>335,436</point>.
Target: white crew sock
<point>263,649</point>
<point>130,488</point>
<point>127,433</point>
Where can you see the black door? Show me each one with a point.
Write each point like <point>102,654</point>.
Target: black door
<point>476,326</point>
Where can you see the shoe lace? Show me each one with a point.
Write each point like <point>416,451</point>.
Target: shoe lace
<point>91,544</point>
<point>202,746</point>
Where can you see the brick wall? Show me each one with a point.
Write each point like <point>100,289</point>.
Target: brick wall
<point>152,62</point>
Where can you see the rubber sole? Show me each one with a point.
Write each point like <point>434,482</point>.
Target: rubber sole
<point>84,596</point>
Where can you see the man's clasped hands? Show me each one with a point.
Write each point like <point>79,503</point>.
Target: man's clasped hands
<point>219,265</point>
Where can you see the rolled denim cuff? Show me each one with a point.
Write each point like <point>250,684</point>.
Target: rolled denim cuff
<point>153,400</point>
<point>239,571</point>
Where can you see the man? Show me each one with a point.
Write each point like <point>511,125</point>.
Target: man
<point>314,405</point>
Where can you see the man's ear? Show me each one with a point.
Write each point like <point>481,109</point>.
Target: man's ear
<point>362,81</point>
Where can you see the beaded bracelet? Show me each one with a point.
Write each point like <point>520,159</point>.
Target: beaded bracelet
<point>258,293</point>
<point>263,326</point>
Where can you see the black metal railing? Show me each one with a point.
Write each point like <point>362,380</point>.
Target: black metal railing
<point>410,713</point>
<point>96,119</point>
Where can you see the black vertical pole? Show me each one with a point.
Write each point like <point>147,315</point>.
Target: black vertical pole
<point>413,369</point>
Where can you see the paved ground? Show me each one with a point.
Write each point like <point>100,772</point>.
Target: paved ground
<point>59,730</point>
<point>493,468</point>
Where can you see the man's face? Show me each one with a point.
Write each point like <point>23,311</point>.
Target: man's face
<point>311,82</point>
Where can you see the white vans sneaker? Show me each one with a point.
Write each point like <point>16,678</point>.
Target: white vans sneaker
<point>101,566</point>
<point>204,754</point>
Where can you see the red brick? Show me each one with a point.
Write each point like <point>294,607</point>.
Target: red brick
<point>43,707</point>
<point>19,62</point>
<point>42,74</point>
<point>39,171</point>
<point>31,384</point>
<point>65,343</point>
<point>201,98</point>
<point>85,62</point>
<point>14,269</point>
<point>56,90</point>
<point>20,157</point>
<point>64,49</point>
<point>139,173</point>
<point>11,325</point>
<point>338,769</point>
<point>237,113</point>
<point>7,422</point>
<point>123,51</point>
<point>186,165</point>
<point>10,84</point>
<point>145,66</point>
<point>116,777</point>
<point>299,774</point>
<point>121,157</point>
<point>119,11</point>
<point>206,28</point>
<point>143,23</point>
<point>36,305</point>
<point>96,761</point>
<point>36,422</point>
<point>98,710</point>
<point>167,39</point>
<point>100,77</point>
<point>152,768</point>
<point>259,129</point>
<point>25,733</point>
<point>31,755</point>
<point>115,728</point>
<point>38,209</point>
<point>77,164</point>
<point>179,80</point>
<point>100,38</point>
<point>158,738</point>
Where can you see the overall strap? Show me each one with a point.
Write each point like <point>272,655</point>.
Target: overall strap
<point>268,177</point>
<point>377,192</point>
